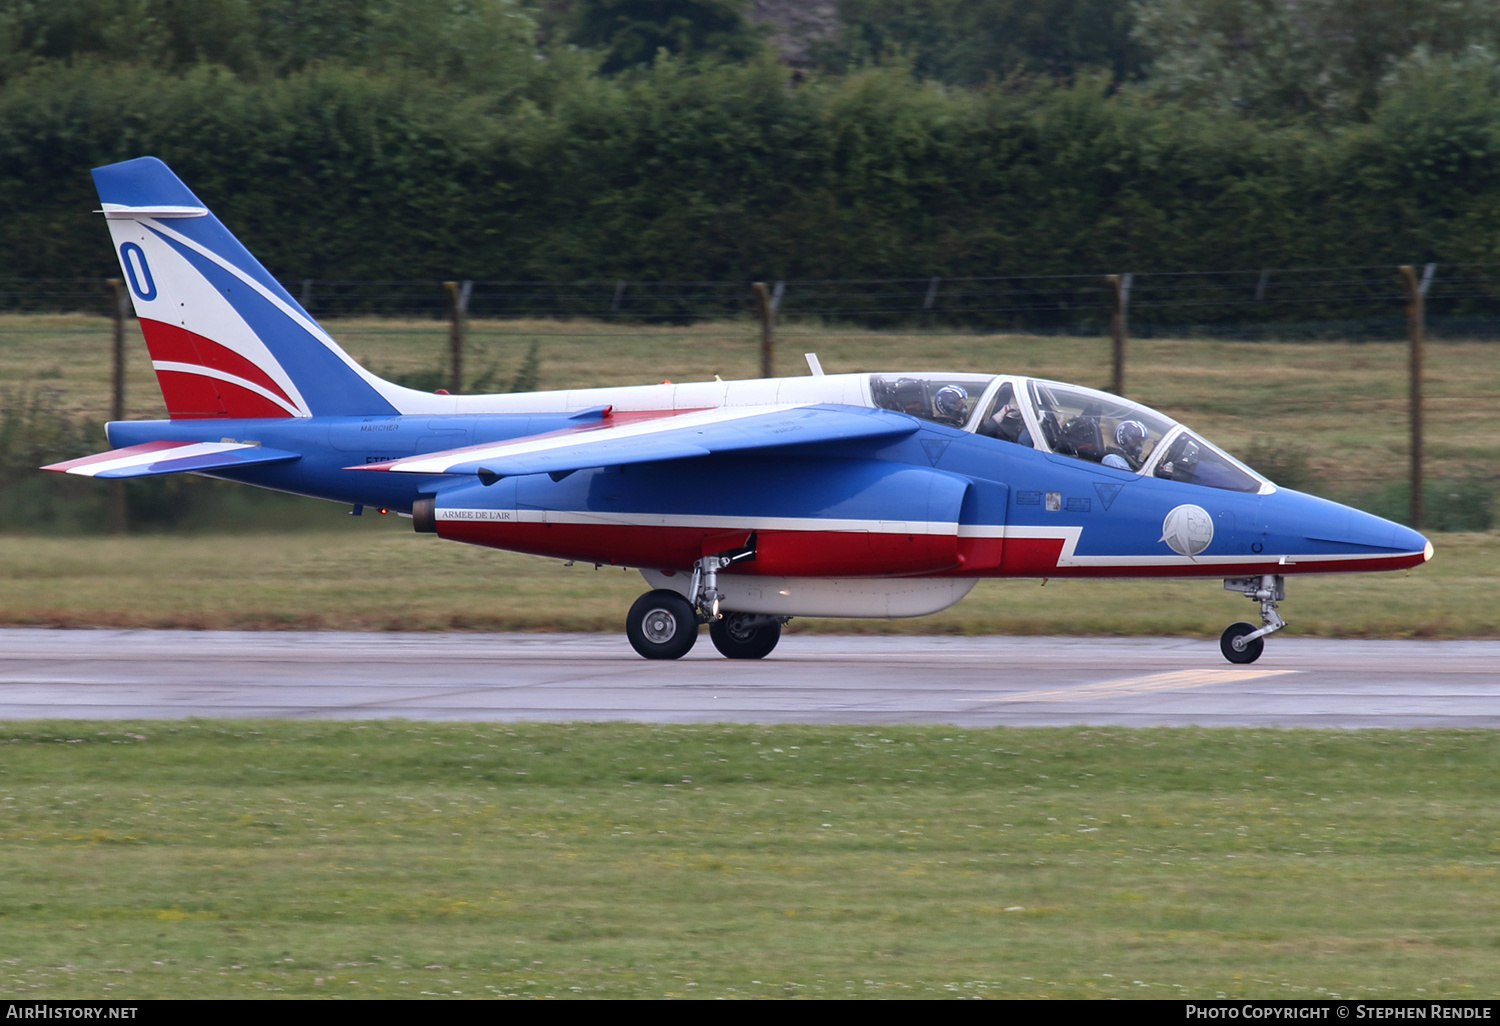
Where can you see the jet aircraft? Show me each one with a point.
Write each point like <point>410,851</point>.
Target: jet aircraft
<point>742,503</point>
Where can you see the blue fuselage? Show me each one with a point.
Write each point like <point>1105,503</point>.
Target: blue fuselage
<point>1018,510</point>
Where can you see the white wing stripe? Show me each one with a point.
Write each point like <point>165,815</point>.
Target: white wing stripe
<point>143,459</point>
<point>440,463</point>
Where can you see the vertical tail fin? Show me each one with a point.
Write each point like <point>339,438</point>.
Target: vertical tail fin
<point>225,338</point>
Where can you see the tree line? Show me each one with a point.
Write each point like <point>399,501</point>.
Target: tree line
<point>629,139</point>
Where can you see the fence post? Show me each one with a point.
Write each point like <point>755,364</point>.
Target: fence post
<point>1416,315</point>
<point>1119,320</point>
<point>119,311</point>
<point>932,291</point>
<point>458,307</point>
<point>767,328</point>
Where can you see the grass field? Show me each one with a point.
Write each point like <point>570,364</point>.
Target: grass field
<point>376,574</point>
<point>1332,414</point>
<point>213,859</point>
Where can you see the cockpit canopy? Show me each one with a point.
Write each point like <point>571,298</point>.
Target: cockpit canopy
<point>1068,420</point>
<point>945,398</point>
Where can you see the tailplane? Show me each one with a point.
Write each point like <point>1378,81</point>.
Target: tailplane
<point>225,338</point>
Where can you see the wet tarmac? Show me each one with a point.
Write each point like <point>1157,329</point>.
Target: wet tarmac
<point>973,681</point>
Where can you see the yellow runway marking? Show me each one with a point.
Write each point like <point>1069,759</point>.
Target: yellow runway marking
<point>1174,681</point>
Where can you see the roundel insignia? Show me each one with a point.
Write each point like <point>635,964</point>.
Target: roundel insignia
<point>1187,530</point>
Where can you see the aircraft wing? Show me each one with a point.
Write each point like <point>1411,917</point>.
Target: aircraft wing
<point>700,433</point>
<point>151,458</point>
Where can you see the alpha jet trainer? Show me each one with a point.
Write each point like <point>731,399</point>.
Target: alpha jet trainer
<point>742,503</point>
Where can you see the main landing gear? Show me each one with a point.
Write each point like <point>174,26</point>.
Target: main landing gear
<point>1242,642</point>
<point>745,635</point>
<point>664,625</point>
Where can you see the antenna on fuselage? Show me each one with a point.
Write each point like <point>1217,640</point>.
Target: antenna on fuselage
<point>813,364</point>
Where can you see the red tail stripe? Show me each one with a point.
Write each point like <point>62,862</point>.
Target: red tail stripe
<point>188,398</point>
<point>179,345</point>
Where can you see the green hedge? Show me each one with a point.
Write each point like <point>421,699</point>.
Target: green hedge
<point>735,172</point>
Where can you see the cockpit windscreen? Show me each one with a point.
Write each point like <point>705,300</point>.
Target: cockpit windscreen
<point>1115,432</point>
<point>1097,426</point>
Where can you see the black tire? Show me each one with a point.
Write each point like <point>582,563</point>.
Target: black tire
<point>1252,649</point>
<point>662,625</point>
<point>735,639</point>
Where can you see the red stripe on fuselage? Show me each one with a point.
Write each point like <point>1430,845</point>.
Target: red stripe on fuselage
<point>778,553</point>
<point>194,395</point>
<point>855,553</point>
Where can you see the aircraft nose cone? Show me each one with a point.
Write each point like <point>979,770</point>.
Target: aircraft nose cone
<point>1377,532</point>
<point>1374,532</point>
<point>1333,529</point>
<point>1407,540</point>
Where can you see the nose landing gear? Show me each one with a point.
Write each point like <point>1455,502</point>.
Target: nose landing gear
<point>1241,642</point>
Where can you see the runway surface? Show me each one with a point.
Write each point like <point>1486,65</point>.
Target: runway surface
<point>1299,682</point>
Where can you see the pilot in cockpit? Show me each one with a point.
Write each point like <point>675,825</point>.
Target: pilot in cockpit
<point>1130,436</point>
<point>1006,423</point>
<point>948,405</point>
<point>1082,436</point>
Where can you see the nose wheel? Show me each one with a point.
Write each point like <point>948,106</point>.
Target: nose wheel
<point>1242,642</point>
<point>1236,648</point>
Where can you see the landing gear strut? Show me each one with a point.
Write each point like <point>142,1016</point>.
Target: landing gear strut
<point>664,625</point>
<point>1241,642</point>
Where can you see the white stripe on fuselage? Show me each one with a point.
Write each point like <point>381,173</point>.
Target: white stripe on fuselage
<point>1069,555</point>
<point>692,521</point>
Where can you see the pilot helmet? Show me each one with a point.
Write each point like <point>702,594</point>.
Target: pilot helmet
<point>1130,435</point>
<point>949,402</point>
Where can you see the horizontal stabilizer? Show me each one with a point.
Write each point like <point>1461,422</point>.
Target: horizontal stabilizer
<point>700,433</point>
<point>151,458</point>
